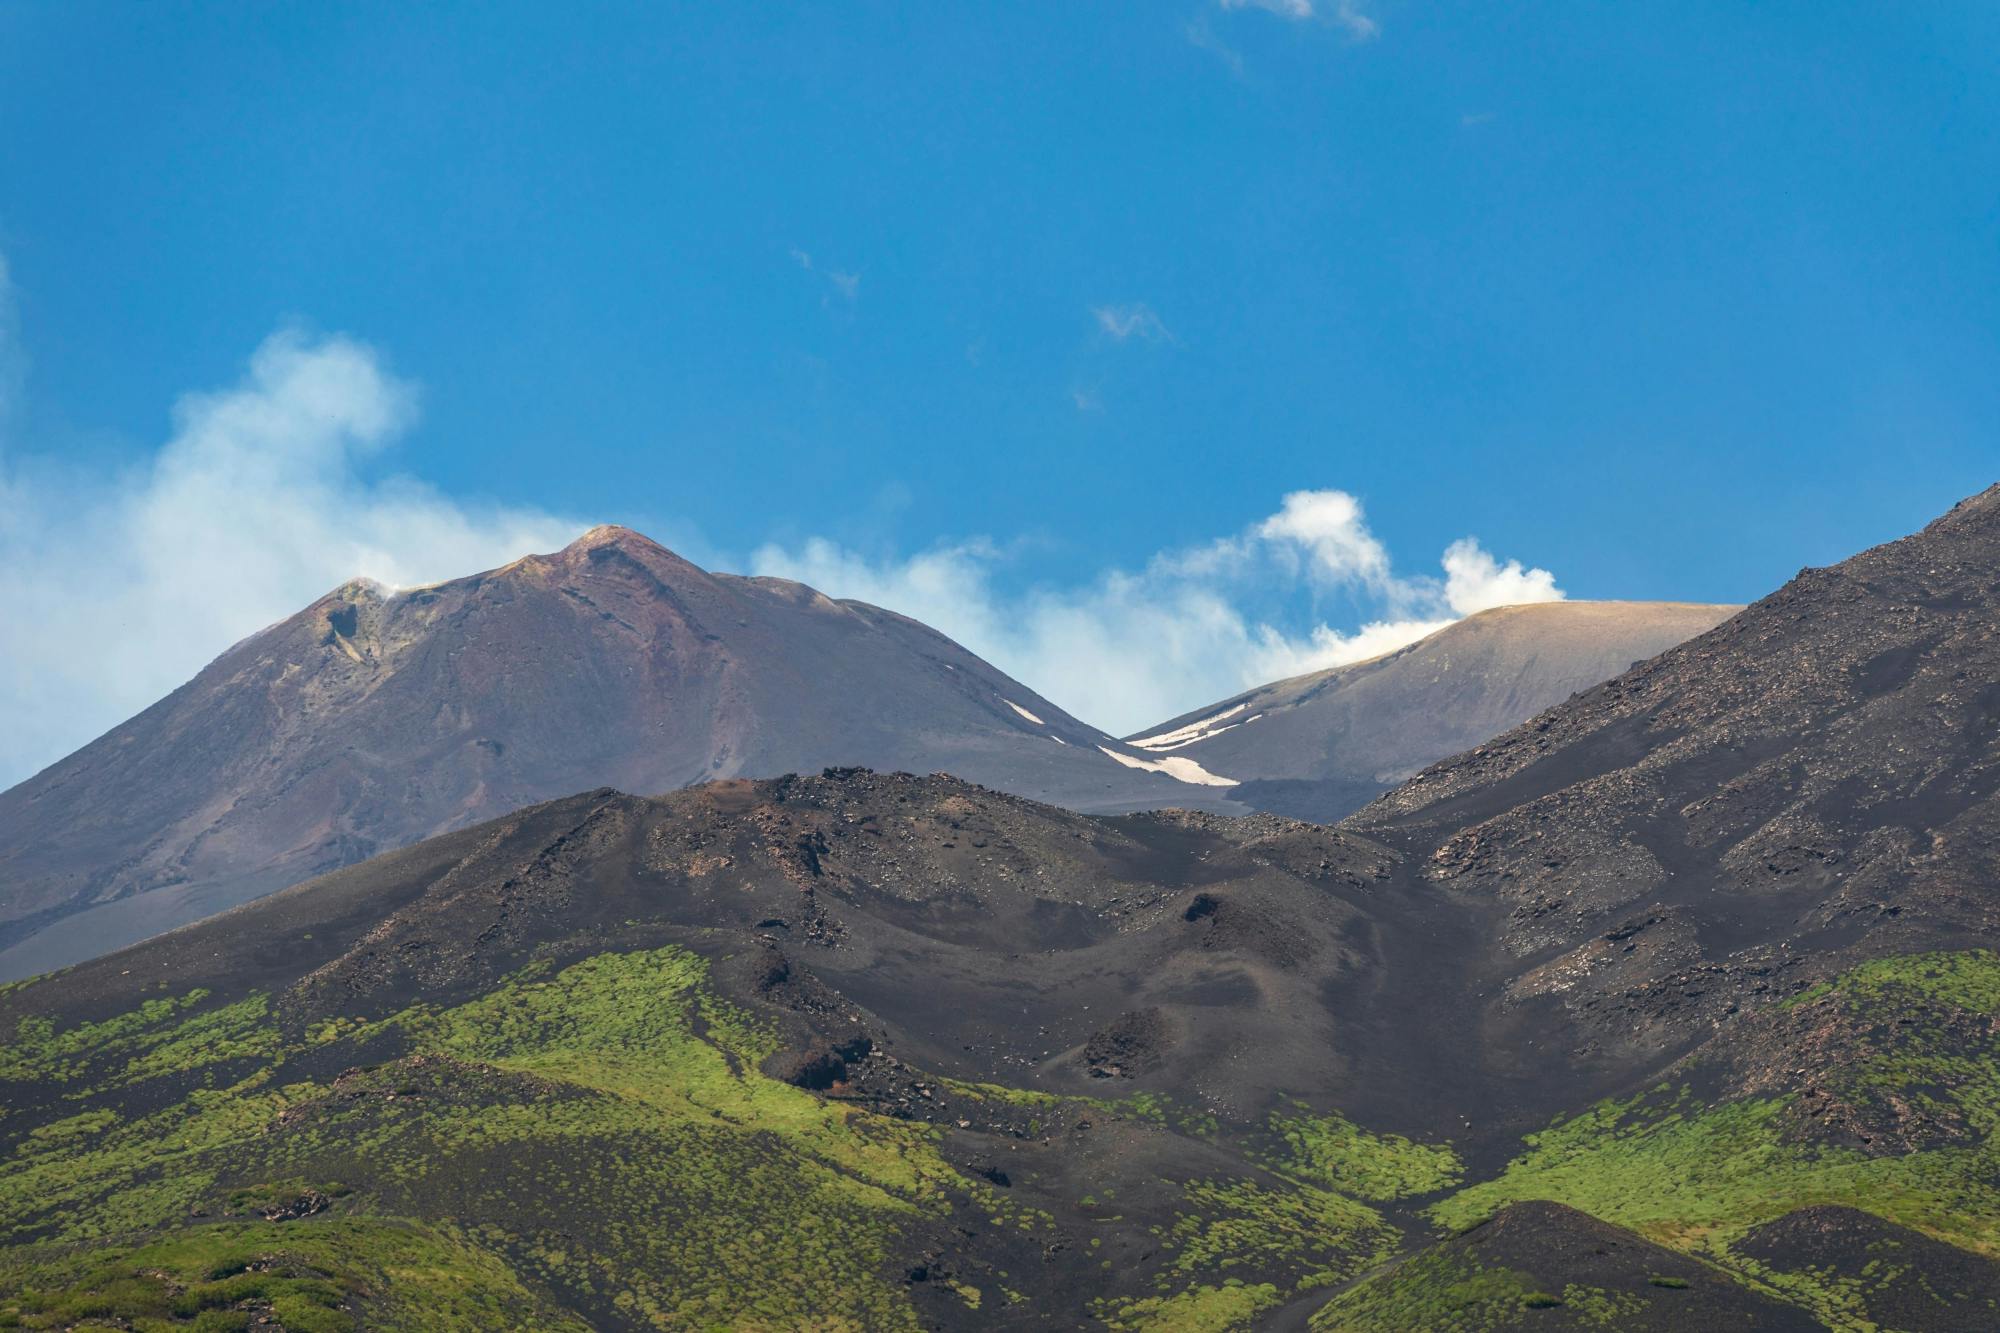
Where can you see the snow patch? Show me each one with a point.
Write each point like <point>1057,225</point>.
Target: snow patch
<point>1206,735</point>
<point>1024,712</point>
<point>1181,770</point>
<point>1192,732</point>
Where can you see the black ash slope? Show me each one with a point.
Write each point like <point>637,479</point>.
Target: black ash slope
<point>1816,780</point>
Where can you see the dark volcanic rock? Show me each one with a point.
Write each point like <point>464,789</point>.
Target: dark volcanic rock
<point>1818,777</point>
<point>980,935</point>
<point>1133,1043</point>
<point>948,957</point>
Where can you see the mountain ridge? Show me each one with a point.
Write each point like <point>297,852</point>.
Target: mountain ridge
<point>1320,745</point>
<point>1675,1008</point>
<point>374,717</point>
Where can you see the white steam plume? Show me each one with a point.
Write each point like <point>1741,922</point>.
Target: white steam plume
<point>1125,650</point>
<point>115,590</point>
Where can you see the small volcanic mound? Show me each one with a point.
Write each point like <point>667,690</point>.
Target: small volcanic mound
<point>821,1065</point>
<point>1237,927</point>
<point>1131,1044</point>
<point>1911,1280</point>
<point>1520,1268</point>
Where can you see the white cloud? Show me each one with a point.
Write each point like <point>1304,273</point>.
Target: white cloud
<point>847,285</point>
<point>1199,34</point>
<point>1329,528</point>
<point>1355,20</point>
<point>1127,650</point>
<point>1136,320</point>
<point>1278,657</point>
<point>116,589</point>
<point>1348,15</point>
<point>1475,581</point>
<point>1291,9</point>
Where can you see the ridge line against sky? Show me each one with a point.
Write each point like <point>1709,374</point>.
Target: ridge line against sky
<point>120,587</point>
<point>1015,315</point>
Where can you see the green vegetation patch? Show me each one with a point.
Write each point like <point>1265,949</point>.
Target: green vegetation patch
<point>161,1036</point>
<point>1238,1247</point>
<point>1448,1291</point>
<point>1968,980</point>
<point>322,1277</point>
<point>1314,1235</point>
<point>1199,1309</point>
<point>1698,1177</point>
<point>596,1137</point>
<point>1335,1152</point>
<point>606,1125</point>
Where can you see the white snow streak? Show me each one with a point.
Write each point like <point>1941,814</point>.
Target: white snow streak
<point>1181,770</point>
<point>1157,748</point>
<point>1193,731</point>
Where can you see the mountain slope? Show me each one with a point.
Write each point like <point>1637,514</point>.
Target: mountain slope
<point>840,1051</point>
<point>1821,770</point>
<point>1319,746</point>
<point>890,1052</point>
<point>1545,1266</point>
<point>1675,1008</point>
<point>370,720</point>
<point>1763,863</point>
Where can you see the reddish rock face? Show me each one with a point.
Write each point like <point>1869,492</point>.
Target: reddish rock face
<point>372,719</point>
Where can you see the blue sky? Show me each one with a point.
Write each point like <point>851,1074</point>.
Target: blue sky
<point>1665,300</point>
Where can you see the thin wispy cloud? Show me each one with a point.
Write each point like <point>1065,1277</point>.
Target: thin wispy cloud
<point>1345,14</point>
<point>1201,35</point>
<point>843,284</point>
<point>1125,649</point>
<point>1136,320</point>
<point>1291,9</point>
<point>1356,21</point>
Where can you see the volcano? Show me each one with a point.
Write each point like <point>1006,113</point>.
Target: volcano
<point>374,718</point>
<point>1321,745</point>
<point>1675,1008</point>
